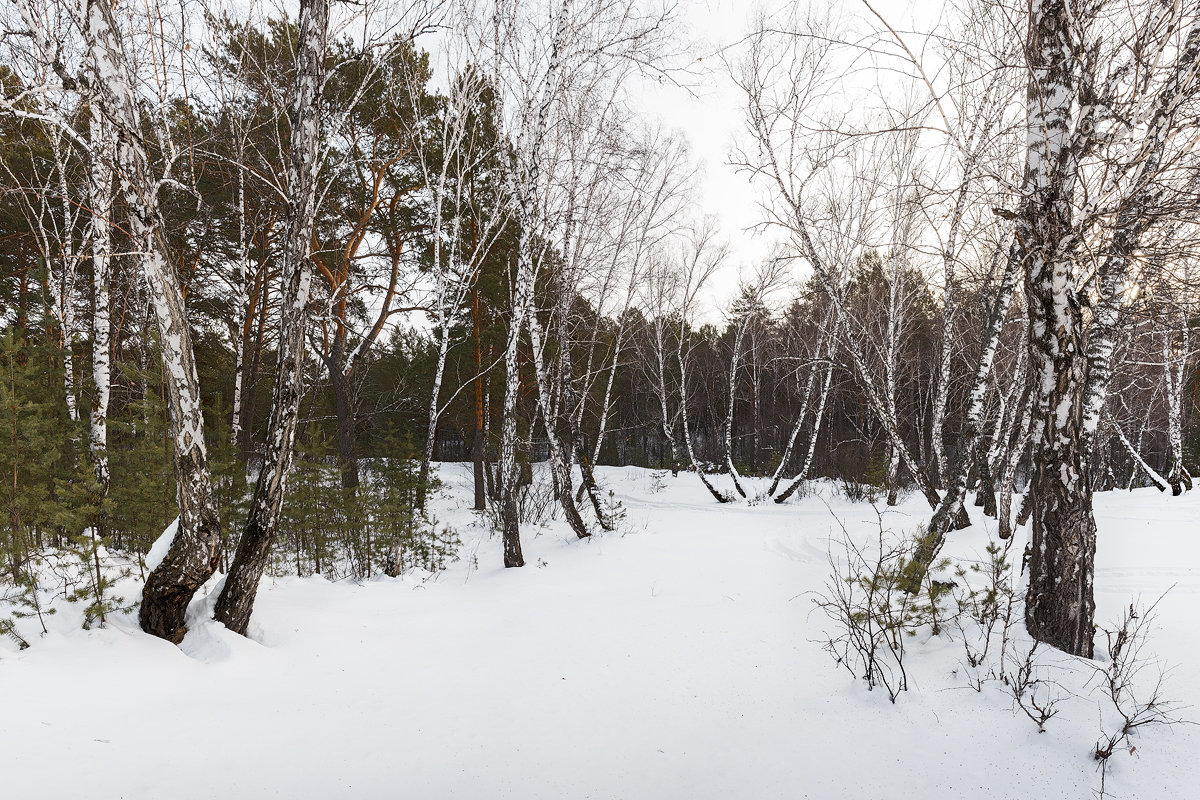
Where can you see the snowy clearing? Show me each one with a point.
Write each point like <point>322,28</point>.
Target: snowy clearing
<point>678,659</point>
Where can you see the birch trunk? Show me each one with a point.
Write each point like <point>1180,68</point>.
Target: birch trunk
<point>65,284</point>
<point>439,372</point>
<point>1008,478</point>
<point>808,393</point>
<point>236,602</point>
<point>668,423</point>
<point>1059,604</point>
<point>1158,480</point>
<point>1175,360</point>
<point>586,462</point>
<point>895,324</point>
<point>524,195</point>
<point>734,362</point>
<point>241,278</point>
<point>558,456</point>
<point>196,548</point>
<point>949,300</point>
<point>1136,215</point>
<point>687,431</point>
<point>951,512</point>
<point>812,440</point>
<point>876,399</point>
<point>100,189</point>
<point>606,407</point>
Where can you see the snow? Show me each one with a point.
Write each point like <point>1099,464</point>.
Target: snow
<point>161,546</point>
<point>677,658</point>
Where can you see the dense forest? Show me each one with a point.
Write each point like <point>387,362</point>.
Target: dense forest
<point>258,272</point>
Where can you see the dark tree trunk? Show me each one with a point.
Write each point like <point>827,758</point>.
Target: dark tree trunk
<point>480,470</point>
<point>477,445</point>
<point>344,410</point>
<point>250,384</point>
<point>1059,607</point>
<point>986,496</point>
<point>588,484</point>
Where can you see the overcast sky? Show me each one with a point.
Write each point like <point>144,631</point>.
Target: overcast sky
<point>709,112</point>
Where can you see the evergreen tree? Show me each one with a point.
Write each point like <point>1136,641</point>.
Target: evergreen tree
<point>143,501</point>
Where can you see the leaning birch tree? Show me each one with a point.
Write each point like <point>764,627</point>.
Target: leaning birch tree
<point>236,601</point>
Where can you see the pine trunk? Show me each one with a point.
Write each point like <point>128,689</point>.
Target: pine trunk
<point>478,443</point>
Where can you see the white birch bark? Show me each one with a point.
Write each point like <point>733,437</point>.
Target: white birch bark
<point>1160,483</point>
<point>1059,605</point>
<point>1008,476</point>
<point>818,355</point>
<point>812,439</point>
<point>195,549</point>
<point>65,281</point>
<point>895,325</point>
<point>606,405</point>
<point>1176,357</point>
<point>1136,215</point>
<point>687,430</point>
<point>665,419</point>
<point>559,463</point>
<point>241,286</point>
<point>761,120</point>
<point>100,188</point>
<point>951,513</point>
<point>734,362</point>
<point>236,601</point>
<point>949,252</point>
<point>524,193</point>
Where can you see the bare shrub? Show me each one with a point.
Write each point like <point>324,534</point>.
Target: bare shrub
<point>1032,690</point>
<point>536,503</point>
<point>1132,680</point>
<point>871,614</point>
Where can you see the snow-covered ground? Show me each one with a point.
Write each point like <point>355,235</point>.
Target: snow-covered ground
<point>678,658</point>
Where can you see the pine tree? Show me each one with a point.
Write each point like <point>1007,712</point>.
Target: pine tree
<point>142,497</point>
<point>38,443</point>
<point>310,515</point>
<point>406,534</point>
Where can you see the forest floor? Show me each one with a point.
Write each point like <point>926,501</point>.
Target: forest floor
<point>679,657</point>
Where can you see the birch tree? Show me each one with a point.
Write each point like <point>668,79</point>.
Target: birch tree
<point>748,309</point>
<point>533,53</point>
<point>236,601</point>
<point>195,548</point>
<point>820,374</point>
<point>781,79</point>
<point>699,257</point>
<point>1079,134</point>
<point>457,154</point>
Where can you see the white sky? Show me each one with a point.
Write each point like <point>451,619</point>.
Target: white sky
<point>709,113</point>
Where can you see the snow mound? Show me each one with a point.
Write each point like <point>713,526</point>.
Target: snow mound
<point>161,546</point>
